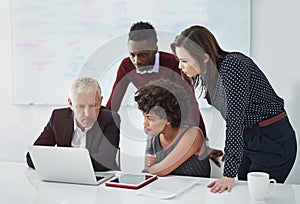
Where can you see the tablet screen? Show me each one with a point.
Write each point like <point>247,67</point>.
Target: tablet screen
<point>131,180</point>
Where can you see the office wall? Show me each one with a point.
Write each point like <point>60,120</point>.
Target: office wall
<point>54,40</point>
<point>274,46</point>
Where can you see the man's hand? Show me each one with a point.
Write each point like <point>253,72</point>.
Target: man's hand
<point>214,155</point>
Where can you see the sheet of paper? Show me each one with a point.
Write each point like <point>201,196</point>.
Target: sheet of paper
<point>168,187</point>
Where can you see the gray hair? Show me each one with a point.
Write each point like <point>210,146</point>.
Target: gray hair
<point>84,85</point>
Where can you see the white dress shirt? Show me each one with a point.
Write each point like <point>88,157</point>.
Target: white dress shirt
<point>79,136</point>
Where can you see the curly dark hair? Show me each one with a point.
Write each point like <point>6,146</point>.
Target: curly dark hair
<point>143,31</point>
<point>166,99</point>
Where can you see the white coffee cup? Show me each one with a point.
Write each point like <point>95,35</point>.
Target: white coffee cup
<point>258,184</point>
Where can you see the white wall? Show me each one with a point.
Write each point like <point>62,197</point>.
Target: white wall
<point>274,44</point>
<point>275,47</point>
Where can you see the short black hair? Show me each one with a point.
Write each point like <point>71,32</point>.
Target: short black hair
<point>143,31</point>
<point>166,99</point>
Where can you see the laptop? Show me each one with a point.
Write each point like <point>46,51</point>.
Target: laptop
<point>66,164</point>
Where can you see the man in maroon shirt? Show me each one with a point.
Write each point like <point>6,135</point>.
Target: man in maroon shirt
<point>145,64</point>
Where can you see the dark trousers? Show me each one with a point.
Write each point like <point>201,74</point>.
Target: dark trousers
<point>271,149</point>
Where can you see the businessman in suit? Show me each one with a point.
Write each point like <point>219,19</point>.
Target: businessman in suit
<point>84,124</point>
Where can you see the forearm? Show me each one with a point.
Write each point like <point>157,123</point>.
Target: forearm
<point>159,170</point>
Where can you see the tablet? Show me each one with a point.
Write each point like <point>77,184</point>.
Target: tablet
<point>132,181</point>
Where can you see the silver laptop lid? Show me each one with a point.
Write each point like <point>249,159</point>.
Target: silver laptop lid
<point>64,164</point>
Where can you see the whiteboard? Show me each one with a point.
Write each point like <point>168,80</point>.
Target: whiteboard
<point>56,41</point>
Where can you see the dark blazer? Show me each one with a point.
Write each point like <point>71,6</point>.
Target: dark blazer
<point>102,139</point>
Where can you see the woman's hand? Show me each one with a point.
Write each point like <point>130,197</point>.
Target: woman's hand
<point>150,159</point>
<point>221,185</point>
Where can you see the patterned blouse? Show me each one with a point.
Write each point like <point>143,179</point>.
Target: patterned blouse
<point>194,166</point>
<point>244,97</point>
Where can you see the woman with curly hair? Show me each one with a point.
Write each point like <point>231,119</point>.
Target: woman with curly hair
<point>176,146</point>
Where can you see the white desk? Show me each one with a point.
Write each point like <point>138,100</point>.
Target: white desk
<point>18,184</point>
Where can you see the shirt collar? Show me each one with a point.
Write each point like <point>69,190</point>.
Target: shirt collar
<point>155,67</point>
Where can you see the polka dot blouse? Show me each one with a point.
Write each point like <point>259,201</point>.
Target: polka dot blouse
<point>244,97</point>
